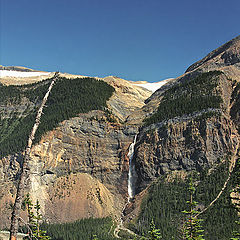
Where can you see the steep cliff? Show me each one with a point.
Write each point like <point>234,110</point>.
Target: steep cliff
<point>86,147</point>
<point>190,128</point>
<point>79,166</point>
<point>194,122</point>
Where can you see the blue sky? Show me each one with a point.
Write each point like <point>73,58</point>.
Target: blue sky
<point>133,39</point>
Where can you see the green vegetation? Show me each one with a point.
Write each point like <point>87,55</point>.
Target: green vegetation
<point>235,107</point>
<point>192,229</point>
<point>67,99</point>
<point>153,233</point>
<point>219,220</point>
<point>93,229</point>
<point>15,139</point>
<point>34,220</point>
<point>187,97</point>
<point>164,204</point>
<point>166,200</point>
<point>236,191</point>
<point>85,229</point>
<point>9,94</point>
<point>162,215</point>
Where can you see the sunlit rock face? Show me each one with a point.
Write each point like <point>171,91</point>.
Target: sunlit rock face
<point>87,144</point>
<point>82,164</point>
<point>193,141</point>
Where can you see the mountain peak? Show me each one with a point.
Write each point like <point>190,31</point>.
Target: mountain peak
<point>226,55</point>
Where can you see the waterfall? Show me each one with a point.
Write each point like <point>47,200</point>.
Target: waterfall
<point>132,172</point>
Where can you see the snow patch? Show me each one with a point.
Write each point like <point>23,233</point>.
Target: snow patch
<point>19,74</point>
<point>153,86</point>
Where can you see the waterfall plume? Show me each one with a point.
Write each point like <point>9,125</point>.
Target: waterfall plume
<point>132,172</point>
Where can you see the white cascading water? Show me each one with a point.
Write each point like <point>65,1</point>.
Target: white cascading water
<point>132,172</point>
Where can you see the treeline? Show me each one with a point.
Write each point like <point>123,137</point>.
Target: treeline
<point>187,97</point>
<point>219,220</point>
<point>166,201</point>
<point>67,99</point>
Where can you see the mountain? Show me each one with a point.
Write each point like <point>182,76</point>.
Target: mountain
<point>84,153</point>
<point>73,146</point>
<point>224,56</point>
<point>193,119</point>
<point>191,125</point>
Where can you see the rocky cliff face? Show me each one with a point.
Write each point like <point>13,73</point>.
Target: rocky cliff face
<point>189,144</point>
<point>80,169</point>
<point>199,139</point>
<point>91,146</point>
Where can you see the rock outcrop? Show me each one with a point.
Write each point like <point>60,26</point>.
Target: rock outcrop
<point>80,169</point>
<point>87,147</point>
<point>198,140</point>
<point>226,55</point>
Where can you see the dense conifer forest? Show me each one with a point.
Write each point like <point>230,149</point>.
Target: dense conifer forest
<point>235,108</point>
<point>67,99</point>
<point>85,229</point>
<point>166,201</point>
<point>187,97</point>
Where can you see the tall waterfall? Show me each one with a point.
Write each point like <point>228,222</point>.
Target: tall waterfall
<point>132,172</point>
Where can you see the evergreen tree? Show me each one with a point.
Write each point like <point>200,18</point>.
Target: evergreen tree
<point>192,227</point>
<point>35,220</point>
<point>236,234</point>
<point>154,233</point>
<point>235,197</point>
<point>95,237</point>
<point>198,94</point>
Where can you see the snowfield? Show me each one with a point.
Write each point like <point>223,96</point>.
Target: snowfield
<point>153,86</point>
<point>19,74</point>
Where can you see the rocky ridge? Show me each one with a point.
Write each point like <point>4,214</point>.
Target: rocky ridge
<point>198,140</point>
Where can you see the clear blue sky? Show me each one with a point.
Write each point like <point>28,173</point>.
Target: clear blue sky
<point>133,39</point>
